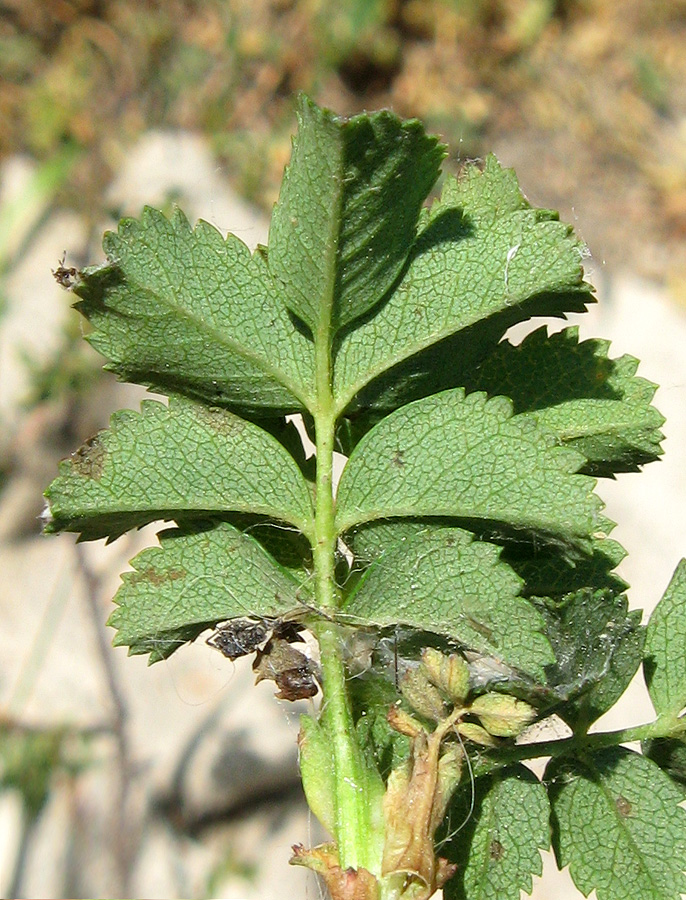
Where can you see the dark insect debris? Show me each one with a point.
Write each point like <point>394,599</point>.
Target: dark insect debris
<point>240,636</point>
<point>277,660</point>
<point>65,276</point>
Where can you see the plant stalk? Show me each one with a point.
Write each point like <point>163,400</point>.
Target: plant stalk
<point>597,741</point>
<point>354,796</point>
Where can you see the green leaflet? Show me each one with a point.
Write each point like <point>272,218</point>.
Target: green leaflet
<point>185,311</point>
<point>592,403</point>
<point>670,755</point>
<point>498,850</point>
<point>194,580</point>
<point>473,260</point>
<point>316,764</point>
<point>550,575</point>
<point>664,664</point>
<point>445,582</point>
<point>347,213</point>
<point>545,574</point>
<point>179,461</point>
<point>618,826</point>
<point>597,644</point>
<point>451,361</point>
<point>372,694</point>
<point>598,647</point>
<point>468,459</point>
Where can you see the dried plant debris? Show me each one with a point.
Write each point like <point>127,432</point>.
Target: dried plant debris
<point>294,673</point>
<point>239,637</point>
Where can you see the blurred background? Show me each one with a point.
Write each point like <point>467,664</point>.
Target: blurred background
<point>122,781</point>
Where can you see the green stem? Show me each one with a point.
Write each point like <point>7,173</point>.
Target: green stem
<point>358,831</point>
<point>355,798</point>
<point>667,727</point>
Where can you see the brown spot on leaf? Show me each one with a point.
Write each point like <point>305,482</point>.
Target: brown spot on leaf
<point>496,851</point>
<point>398,459</point>
<point>89,459</point>
<point>624,808</point>
<point>152,576</point>
<point>220,420</point>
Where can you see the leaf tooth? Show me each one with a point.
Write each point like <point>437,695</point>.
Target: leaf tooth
<point>179,221</point>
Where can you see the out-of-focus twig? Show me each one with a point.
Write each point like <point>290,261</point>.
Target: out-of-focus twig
<point>123,841</point>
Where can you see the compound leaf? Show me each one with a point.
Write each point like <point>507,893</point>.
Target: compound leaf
<point>175,462</point>
<point>445,582</point>
<point>347,212</point>
<point>664,665</point>
<point>194,580</point>
<point>483,252</point>
<point>185,311</point>
<point>467,458</point>
<point>618,826</point>
<point>591,402</point>
<point>498,850</point>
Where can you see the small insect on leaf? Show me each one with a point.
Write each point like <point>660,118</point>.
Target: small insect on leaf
<point>65,276</point>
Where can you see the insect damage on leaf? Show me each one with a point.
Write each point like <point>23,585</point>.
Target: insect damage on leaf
<point>89,460</point>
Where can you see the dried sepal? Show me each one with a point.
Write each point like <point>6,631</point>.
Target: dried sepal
<point>417,795</point>
<point>293,673</point>
<point>342,884</point>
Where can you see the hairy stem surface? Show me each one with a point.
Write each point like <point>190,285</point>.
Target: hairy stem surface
<point>600,740</point>
<point>353,800</point>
